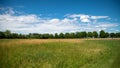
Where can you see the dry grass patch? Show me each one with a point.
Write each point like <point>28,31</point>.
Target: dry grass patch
<point>95,51</point>
<point>13,42</point>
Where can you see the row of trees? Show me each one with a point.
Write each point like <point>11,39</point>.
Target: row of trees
<point>102,34</point>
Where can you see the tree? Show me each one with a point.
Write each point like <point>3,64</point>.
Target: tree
<point>51,36</point>
<point>90,34</point>
<point>22,36</point>
<point>35,35</point>
<point>117,35</point>
<point>67,35</point>
<point>106,34</point>
<point>30,35</point>
<point>95,34</point>
<point>7,34</point>
<point>14,35</point>
<point>61,35</point>
<point>102,34</point>
<point>78,34</point>
<point>45,36</point>
<point>112,35</point>
<point>2,35</point>
<point>40,36</point>
<point>72,35</point>
<point>56,35</point>
<point>83,34</point>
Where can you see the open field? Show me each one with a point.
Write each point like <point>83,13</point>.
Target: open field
<point>59,53</point>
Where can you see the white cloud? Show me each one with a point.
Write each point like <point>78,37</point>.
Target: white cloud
<point>106,25</point>
<point>7,10</point>
<point>98,17</point>
<point>18,19</point>
<point>10,11</point>
<point>73,15</point>
<point>82,17</point>
<point>87,18</point>
<point>54,21</point>
<point>35,24</point>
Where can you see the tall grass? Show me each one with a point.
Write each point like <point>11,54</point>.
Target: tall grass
<point>59,53</point>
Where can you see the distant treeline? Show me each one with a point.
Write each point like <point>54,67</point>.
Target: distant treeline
<point>102,34</point>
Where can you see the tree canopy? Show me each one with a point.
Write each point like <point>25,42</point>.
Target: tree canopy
<point>102,34</point>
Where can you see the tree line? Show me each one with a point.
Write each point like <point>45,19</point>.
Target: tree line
<point>102,34</point>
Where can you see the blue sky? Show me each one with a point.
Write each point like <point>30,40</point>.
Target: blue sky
<point>51,16</point>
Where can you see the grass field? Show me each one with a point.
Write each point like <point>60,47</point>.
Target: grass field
<point>59,53</point>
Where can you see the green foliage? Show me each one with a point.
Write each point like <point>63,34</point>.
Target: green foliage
<point>56,35</point>
<point>45,36</point>
<point>51,36</point>
<point>90,34</point>
<point>2,35</point>
<point>102,34</point>
<point>112,35</point>
<point>72,35</point>
<point>107,35</point>
<point>118,35</point>
<point>61,35</point>
<point>83,34</point>
<point>78,34</point>
<point>7,34</point>
<point>67,35</point>
<point>95,34</point>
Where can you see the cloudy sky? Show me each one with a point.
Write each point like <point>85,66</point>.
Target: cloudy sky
<point>55,16</point>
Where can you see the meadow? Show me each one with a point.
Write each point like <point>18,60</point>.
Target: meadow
<point>59,53</point>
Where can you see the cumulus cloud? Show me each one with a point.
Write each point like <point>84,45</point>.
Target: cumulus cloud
<point>82,17</point>
<point>33,23</point>
<point>87,18</point>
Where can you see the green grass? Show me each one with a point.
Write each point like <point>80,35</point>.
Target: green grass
<point>60,54</point>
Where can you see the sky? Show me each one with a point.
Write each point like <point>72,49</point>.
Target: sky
<point>55,16</point>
